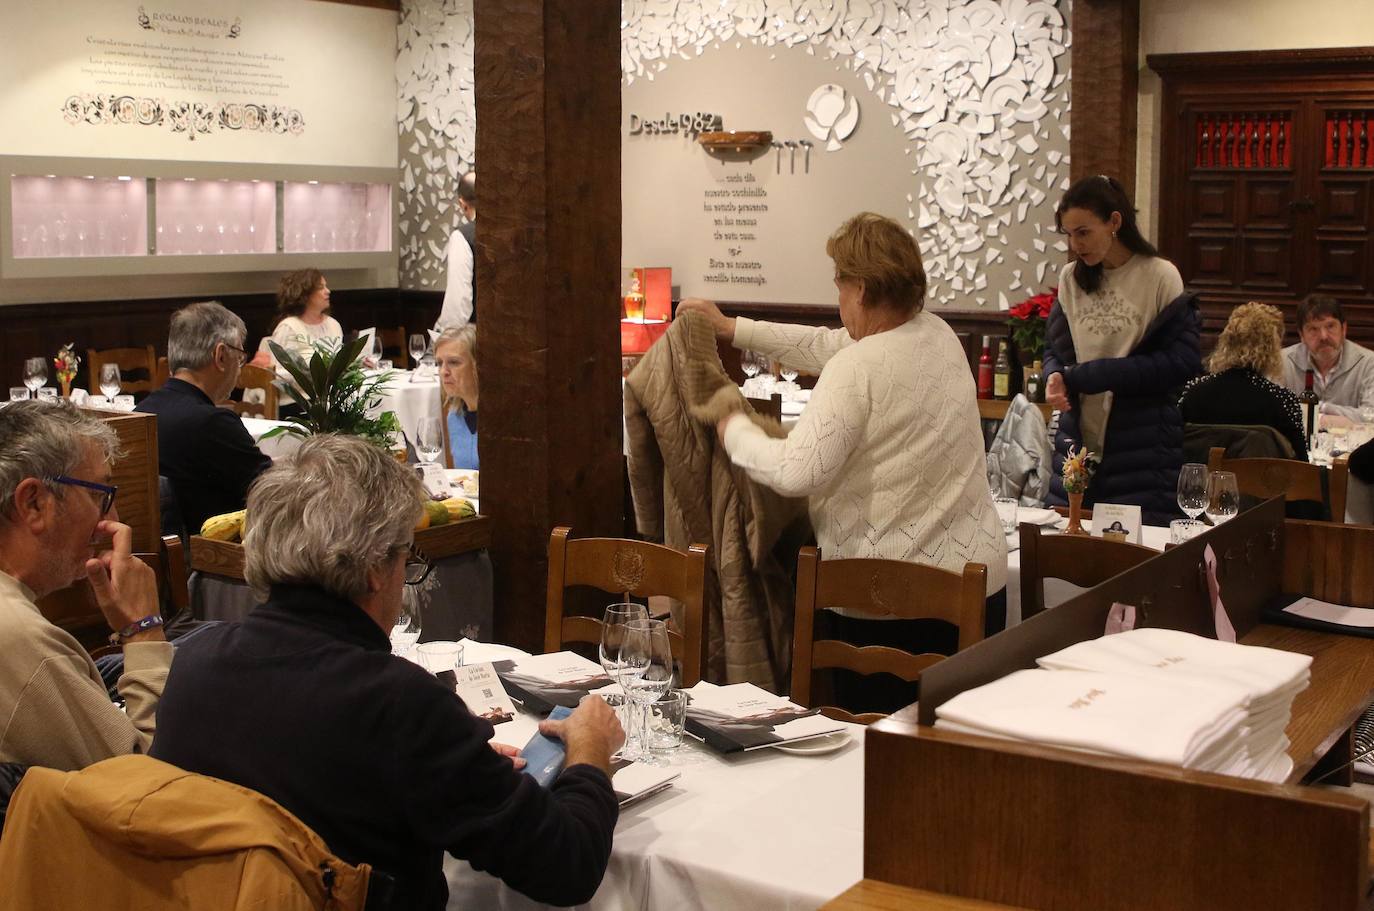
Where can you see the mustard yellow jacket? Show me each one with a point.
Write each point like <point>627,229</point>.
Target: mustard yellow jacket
<point>132,832</point>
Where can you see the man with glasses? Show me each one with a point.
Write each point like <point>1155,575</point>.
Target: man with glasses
<point>202,449</point>
<point>56,516</point>
<point>303,701</point>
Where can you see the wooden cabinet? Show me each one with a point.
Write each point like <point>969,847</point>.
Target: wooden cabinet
<point>1265,173</point>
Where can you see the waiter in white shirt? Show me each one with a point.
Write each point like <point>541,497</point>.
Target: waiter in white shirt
<point>460,296</point>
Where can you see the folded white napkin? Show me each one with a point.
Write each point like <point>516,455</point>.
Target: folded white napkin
<point>1037,516</point>
<point>557,667</point>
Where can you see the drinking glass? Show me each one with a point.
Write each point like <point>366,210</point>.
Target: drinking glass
<point>19,393</point>
<point>406,632</point>
<point>437,657</point>
<point>749,364</point>
<point>788,374</point>
<point>417,349</point>
<point>646,668</point>
<point>1006,513</point>
<point>430,441</point>
<point>109,380</point>
<point>665,721</point>
<point>1192,490</point>
<point>614,623</point>
<point>47,392</point>
<point>35,373</point>
<point>1223,497</point>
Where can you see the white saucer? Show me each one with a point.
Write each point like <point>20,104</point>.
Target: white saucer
<point>815,746</point>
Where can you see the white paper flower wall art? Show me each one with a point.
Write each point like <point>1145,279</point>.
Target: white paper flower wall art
<point>977,87</point>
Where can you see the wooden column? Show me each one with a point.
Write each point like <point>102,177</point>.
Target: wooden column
<point>1106,67</point>
<point>547,75</point>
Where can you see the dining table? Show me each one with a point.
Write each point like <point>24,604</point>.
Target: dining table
<point>741,832</point>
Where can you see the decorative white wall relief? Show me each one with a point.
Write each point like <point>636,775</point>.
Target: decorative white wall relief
<point>977,86</point>
<point>831,116</point>
<point>435,119</point>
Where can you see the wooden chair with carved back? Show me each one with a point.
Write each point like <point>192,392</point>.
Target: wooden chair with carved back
<point>259,378</point>
<point>1078,559</point>
<point>889,588</point>
<point>1294,480</point>
<point>137,368</point>
<point>74,608</point>
<point>628,568</point>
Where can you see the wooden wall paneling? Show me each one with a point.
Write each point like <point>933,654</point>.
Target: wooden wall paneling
<point>547,76</point>
<point>1106,50</point>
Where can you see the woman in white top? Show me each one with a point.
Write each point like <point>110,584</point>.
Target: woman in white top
<point>303,315</point>
<point>888,451</point>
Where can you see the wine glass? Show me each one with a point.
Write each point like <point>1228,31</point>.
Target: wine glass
<point>613,625</point>
<point>1223,497</point>
<point>787,372</point>
<point>646,668</point>
<point>749,364</point>
<point>1192,490</point>
<point>35,373</point>
<point>430,442</point>
<point>109,380</point>
<point>417,349</point>
<point>378,351</point>
<point>406,632</point>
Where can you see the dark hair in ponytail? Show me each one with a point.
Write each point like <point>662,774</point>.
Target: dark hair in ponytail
<point>1102,195</point>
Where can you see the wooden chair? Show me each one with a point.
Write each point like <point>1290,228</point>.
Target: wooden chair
<point>251,377</point>
<point>627,568</point>
<point>1265,478</point>
<point>131,361</point>
<point>891,588</point>
<point>394,345</point>
<point>74,608</point>
<point>770,407</point>
<point>1080,560</point>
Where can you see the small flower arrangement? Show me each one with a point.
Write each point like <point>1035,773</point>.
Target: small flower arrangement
<point>64,365</point>
<point>1027,321</point>
<point>1079,469</point>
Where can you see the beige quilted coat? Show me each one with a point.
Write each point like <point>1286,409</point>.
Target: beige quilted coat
<point>686,491</point>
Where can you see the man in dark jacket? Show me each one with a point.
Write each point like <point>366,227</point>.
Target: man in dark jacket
<point>1144,439</point>
<point>203,449</point>
<point>304,702</point>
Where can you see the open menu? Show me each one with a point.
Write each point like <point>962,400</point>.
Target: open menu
<point>541,682</point>
<point>742,716</point>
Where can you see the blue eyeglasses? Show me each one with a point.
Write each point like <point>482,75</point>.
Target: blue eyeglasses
<point>107,493</point>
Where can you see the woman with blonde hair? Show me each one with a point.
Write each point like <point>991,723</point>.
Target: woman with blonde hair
<point>456,354</point>
<point>1241,386</point>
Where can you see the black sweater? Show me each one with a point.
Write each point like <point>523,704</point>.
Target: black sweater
<point>1242,396</point>
<point>303,702</point>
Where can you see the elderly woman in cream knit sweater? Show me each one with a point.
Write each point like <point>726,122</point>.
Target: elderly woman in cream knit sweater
<point>889,450</point>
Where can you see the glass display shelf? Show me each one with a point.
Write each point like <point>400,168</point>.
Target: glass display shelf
<point>326,217</point>
<point>78,216</point>
<point>215,217</point>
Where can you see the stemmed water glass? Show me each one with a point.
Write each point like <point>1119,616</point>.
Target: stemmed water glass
<point>749,364</point>
<point>430,439</point>
<point>406,632</point>
<point>788,373</point>
<point>35,374</point>
<point>1223,497</point>
<point>646,668</point>
<point>1192,491</point>
<point>614,623</point>
<point>109,380</point>
<point>417,349</point>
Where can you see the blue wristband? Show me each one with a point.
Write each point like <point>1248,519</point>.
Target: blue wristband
<point>153,621</point>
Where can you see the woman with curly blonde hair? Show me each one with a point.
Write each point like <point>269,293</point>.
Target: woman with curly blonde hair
<point>1241,387</point>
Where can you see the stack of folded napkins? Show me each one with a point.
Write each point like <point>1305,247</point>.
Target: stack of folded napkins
<point>1153,694</point>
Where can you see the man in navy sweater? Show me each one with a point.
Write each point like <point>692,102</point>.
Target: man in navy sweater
<point>304,702</point>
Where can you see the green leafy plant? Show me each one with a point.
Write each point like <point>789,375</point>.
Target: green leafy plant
<point>336,394</point>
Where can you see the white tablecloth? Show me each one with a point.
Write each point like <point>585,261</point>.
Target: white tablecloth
<point>274,447</point>
<point>759,830</point>
<point>411,401</point>
<point>1057,591</point>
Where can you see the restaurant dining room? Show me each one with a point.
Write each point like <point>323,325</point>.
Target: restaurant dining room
<point>928,459</point>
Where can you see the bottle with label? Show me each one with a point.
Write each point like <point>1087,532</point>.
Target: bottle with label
<point>1307,399</point>
<point>634,300</point>
<point>1035,383</point>
<point>1001,374</point>
<point>985,370</point>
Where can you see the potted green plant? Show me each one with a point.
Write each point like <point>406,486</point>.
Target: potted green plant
<point>336,394</point>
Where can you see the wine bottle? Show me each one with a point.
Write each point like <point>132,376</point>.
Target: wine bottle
<point>1035,383</point>
<point>1001,374</point>
<point>1308,400</point>
<point>985,370</point>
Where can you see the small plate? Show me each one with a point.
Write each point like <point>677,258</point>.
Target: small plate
<point>815,746</point>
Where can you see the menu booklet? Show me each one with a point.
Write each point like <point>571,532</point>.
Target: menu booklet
<point>742,716</point>
<point>635,781</point>
<point>541,682</point>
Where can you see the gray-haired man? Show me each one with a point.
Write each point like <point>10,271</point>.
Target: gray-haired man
<point>203,449</point>
<point>55,502</point>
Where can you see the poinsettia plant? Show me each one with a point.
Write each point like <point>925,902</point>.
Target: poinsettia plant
<point>1027,321</point>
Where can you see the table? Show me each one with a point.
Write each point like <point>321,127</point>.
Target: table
<point>1057,591</point>
<point>274,447</point>
<point>757,830</point>
<point>410,400</point>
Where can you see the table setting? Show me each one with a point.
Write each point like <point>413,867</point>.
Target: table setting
<point>699,828</point>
